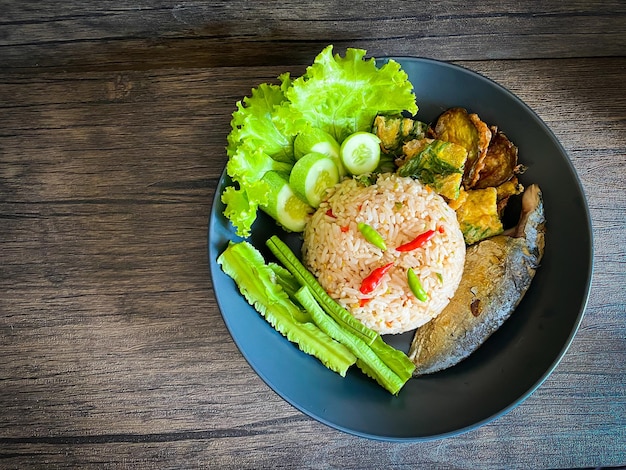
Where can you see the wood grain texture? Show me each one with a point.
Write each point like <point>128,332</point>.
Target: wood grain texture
<point>113,122</point>
<point>80,35</point>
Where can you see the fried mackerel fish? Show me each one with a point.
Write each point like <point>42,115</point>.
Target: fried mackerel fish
<point>497,274</point>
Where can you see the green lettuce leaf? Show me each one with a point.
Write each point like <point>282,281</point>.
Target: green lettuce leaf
<point>343,95</point>
<point>261,140</point>
<point>338,95</point>
<point>257,124</point>
<point>242,204</point>
<point>248,164</point>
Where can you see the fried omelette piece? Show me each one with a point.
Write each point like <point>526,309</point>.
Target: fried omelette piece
<point>435,163</point>
<point>497,274</point>
<point>480,211</point>
<point>394,130</point>
<point>478,215</point>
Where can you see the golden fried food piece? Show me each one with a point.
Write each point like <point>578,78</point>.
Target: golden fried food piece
<point>458,126</point>
<point>394,130</point>
<point>435,163</point>
<point>500,162</point>
<point>478,215</point>
<point>484,140</point>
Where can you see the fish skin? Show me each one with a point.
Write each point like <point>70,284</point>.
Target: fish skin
<point>497,274</point>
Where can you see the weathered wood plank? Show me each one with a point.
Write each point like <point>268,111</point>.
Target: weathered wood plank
<point>82,35</point>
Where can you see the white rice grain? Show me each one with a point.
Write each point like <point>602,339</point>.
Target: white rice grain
<point>400,209</point>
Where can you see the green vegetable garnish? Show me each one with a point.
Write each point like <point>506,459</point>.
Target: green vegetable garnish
<point>339,314</point>
<point>257,283</point>
<point>271,290</point>
<point>371,235</point>
<point>396,360</point>
<point>283,204</point>
<point>360,153</point>
<point>290,285</point>
<point>367,360</point>
<point>312,175</point>
<point>336,311</point>
<point>343,95</point>
<point>339,96</point>
<point>318,141</point>
<point>416,285</point>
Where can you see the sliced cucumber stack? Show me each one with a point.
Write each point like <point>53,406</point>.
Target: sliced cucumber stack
<point>312,175</point>
<point>283,205</point>
<point>317,140</point>
<point>360,153</point>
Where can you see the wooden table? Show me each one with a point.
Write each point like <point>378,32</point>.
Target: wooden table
<point>113,123</point>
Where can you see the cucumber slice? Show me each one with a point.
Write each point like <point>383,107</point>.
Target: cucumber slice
<point>283,205</point>
<point>360,152</point>
<point>312,175</point>
<point>317,140</point>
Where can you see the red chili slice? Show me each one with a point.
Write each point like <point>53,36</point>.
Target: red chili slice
<point>373,280</point>
<point>417,241</point>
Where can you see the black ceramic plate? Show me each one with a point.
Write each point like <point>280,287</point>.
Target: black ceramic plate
<point>510,365</point>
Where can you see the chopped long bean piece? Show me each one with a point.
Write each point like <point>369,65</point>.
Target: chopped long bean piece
<point>330,305</point>
<point>367,360</point>
<point>395,359</point>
